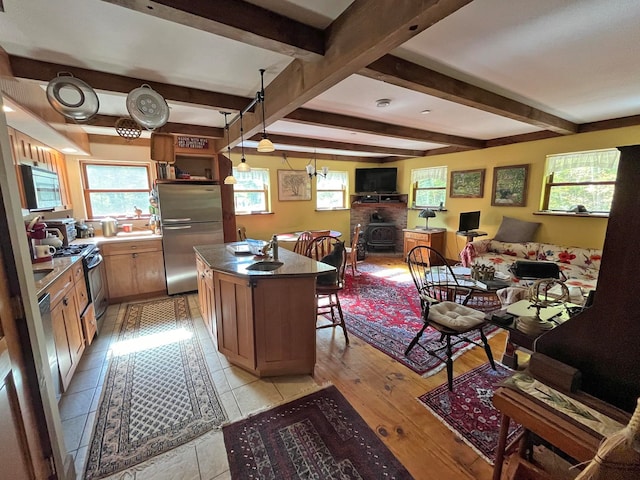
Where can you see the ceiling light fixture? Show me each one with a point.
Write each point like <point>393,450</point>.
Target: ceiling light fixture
<point>383,103</point>
<point>244,166</point>
<point>229,179</point>
<point>312,170</point>
<point>425,112</point>
<point>265,145</point>
<point>7,109</point>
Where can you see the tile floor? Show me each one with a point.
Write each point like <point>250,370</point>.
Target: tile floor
<point>202,459</point>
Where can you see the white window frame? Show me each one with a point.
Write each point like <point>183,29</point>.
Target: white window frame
<point>423,175</point>
<point>238,189</point>
<point>322,185</point>
<point>588,167</point>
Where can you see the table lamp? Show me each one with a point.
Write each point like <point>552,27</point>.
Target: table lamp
<point>427,213</point>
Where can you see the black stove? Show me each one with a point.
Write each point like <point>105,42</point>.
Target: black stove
<point>79,249</point>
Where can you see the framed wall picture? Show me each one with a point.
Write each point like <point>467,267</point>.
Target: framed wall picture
<point>510,186</point>
<point>467,184</point>
<point>293,185</point>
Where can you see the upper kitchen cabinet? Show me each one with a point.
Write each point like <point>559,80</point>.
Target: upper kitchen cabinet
<point>28,151</point>
<point>191,156</point>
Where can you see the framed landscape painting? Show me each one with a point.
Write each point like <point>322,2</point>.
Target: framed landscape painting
<point>510,186</point>
<point>293,185</point>
<point>467,184</point>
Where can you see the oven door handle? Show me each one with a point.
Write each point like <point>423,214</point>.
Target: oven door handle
<point>95,261</point>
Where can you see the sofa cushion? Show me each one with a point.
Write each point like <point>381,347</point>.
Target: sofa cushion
<point>522,251</point>
<point>514,230</point>
<point>580,257</point>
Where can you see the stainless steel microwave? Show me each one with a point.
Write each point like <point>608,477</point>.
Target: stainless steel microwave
<point>41,187</point>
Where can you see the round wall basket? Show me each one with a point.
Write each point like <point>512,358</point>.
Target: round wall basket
<point>128,129</point>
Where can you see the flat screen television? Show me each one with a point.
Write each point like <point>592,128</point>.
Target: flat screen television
<point>469,221</point>
<point>376,180</point>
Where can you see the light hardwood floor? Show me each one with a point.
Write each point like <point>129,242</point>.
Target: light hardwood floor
<point>384,393</point>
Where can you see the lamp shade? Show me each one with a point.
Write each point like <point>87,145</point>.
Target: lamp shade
<point>265,145</point>
<point>244,166</point>
<point>230,180</point>
<point>427,213</point>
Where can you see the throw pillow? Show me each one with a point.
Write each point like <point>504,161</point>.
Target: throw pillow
<point>516,231</point>
<point>335,260</point>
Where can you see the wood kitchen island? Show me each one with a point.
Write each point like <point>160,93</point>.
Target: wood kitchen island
<point>263,321</point>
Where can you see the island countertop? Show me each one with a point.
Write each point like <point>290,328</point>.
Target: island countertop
<point>218,257</point>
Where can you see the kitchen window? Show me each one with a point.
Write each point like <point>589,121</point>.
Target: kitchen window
<point>115,189</point>
<point>251,192</point>
<point>580,181</point>
<point>331,191</point>
<point>429,187</point>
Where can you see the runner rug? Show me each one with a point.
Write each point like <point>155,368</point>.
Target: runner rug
<point>158,393</point>
<point>381,307</point>
<point>468,410</point>
<point>317,436</point>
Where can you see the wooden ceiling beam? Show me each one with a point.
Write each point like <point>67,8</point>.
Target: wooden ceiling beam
<point>396,71</point>
<point>365,31</point>
<point>330,144</point>
<point>46,71</point>
<point>238,20</point>
<point>314,117</point>
<point>169,127</point>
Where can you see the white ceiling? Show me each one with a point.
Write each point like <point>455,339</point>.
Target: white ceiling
<point>576,59</point>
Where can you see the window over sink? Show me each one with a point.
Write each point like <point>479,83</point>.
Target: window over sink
<point>114,189</point>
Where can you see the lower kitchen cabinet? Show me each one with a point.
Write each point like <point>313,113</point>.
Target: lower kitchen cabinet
<point>206,300</point>
<point>134,269</point>
<point>67,332</point>
<point>434,238</point>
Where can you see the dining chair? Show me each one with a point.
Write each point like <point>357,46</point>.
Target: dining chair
<point>352,251</point>
<point>301,243</point>
<point>320,233</point>
<point>443,303</point>
<point>328,286</point>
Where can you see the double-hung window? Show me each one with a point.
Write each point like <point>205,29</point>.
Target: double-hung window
<point>429,187</point>
<point>331,192</point>
<point>115,189</point>
<point>580,179</point>
<point>251,192</point>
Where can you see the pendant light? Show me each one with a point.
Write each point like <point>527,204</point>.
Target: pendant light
<point>312,170</point>
<point>244,166</point>
<point>265,145</point>
<point>229,179</point>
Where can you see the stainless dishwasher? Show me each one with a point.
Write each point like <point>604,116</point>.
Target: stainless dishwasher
<point>52,357</point>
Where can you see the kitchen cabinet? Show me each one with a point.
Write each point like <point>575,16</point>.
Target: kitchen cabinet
<point>205,295</point>
<point>434,238</point>
<point>67,332</point>
<point>265,322</point>
<point>134,269</point>
<point>89,324</point>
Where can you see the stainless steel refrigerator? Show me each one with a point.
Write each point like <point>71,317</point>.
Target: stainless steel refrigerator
<point>190,215</point>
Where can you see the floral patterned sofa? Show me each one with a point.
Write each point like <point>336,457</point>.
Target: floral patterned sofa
<point>579,265</point>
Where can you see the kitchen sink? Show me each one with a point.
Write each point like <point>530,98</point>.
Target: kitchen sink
<point>266,266</point>
<point>40,274</point>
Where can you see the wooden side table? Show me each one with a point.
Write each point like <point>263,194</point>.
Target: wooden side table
<point>432,237</point>
<point>579,443</point>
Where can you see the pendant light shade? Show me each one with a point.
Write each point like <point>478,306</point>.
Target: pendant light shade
<point>244,166</point>
<point>229,179</point>
<point>265,145</point>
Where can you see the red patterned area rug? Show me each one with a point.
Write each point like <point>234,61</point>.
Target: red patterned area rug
<point>469,412</point>
<point>382,308</point>
<point>317,436</point>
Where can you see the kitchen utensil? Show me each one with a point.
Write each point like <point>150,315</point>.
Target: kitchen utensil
<point>43,251</point>
<point>54,238</point>
<point>72,98</point>
<point>109,227</point>
<point>147,107</point>
<point>128,129</point>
